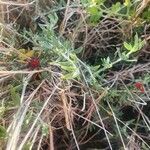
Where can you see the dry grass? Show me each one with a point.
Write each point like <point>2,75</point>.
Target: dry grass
<point>71,112</point>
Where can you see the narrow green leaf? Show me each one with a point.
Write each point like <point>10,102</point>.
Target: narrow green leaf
<point>3,132</point>
<point>68,68</point>
<point>127,46</point>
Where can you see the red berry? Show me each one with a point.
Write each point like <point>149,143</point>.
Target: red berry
<point>34,63</point>
<point>140,86</point>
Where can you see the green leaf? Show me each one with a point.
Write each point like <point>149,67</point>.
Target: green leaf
<point>127,3</point>
<point>53,19</point>
<point>95,68</point>
<point>95,14</point>
<point>71,75</point>
<point>3,132</point>
<point>93,10</point>
<point>107,63</point>
<point>68,68</point>
<point>124,56</point>
<point>78,50</point>
<point>15,96</point>
<point>2,110</point>
<point>138,44</point>
<point>146,14</point>
<point>116,7</point>
<point>127,46</point>
<point>45,130</point>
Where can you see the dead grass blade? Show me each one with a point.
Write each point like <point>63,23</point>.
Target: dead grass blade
<point>66,109</point>
<point>51,137</point>
<point>15,127</point>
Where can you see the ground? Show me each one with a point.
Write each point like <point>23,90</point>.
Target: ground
<point>75,74</point>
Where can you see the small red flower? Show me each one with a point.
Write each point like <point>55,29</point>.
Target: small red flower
<point>34,63</point>
<point>140,86</point>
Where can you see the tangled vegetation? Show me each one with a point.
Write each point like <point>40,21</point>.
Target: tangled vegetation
<point>75,74</point>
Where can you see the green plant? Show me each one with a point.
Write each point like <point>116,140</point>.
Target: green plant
<point>73,98</point>
<point>125,55</point>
